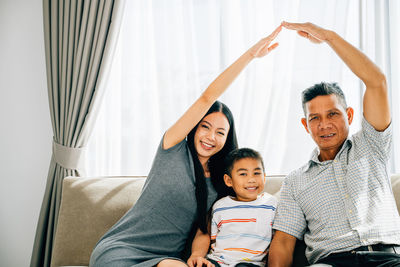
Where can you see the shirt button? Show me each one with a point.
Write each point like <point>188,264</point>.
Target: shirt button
<point>346,196</point>
<point>350,211</point>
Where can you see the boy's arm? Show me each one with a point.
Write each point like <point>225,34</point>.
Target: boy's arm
<point>281,250</point>
<point>200,246</point>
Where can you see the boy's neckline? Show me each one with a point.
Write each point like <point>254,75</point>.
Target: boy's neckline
<point>236,200</point>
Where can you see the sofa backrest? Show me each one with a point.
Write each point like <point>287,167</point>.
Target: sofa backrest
<point>90,206</point>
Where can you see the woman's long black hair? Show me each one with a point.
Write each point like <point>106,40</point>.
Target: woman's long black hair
<point>215,165</point>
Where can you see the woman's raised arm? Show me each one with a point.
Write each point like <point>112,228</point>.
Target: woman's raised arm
<point>196,112</point>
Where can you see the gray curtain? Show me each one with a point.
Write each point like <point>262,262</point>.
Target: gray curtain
<point>80,38</point>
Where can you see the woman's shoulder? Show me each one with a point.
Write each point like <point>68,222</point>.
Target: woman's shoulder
<point>174,163</point>
<point>177,147</point>
<point>176,155</point>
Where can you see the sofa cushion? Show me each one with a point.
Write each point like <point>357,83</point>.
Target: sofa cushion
<point>89,207</point>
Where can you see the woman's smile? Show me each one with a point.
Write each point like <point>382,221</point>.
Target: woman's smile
<point>206,146</point>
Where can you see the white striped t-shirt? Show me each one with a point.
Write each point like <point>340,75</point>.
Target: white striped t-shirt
<point>242,231</point>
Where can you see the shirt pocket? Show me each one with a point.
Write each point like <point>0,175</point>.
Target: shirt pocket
<point>363,176</point>
<point>319,201</point>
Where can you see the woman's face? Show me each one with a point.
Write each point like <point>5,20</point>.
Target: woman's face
<point>210,135</point>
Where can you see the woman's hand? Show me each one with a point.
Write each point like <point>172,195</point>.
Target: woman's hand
<point>196,112</point>
<point>198,261</point>
<point>308,30</point>
<point>263,46</point>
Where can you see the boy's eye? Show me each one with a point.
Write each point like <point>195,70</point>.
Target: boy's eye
<point>242,174</point>
<point>257,173</point>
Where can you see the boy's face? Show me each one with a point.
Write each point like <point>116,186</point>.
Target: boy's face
<point>247,179</point>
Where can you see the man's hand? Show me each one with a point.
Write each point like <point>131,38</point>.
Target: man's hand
<point>375,102</point>
<point>198,261</point>
<point>308,30</point>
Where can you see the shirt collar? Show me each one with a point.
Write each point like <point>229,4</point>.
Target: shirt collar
<point>314,155</point>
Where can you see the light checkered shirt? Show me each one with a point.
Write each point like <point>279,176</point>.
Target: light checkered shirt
<point>345,203</point>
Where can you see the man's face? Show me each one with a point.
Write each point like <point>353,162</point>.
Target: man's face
<point>328,123</point>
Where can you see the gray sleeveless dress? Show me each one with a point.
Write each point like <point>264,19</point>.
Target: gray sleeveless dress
<point>158,225</point>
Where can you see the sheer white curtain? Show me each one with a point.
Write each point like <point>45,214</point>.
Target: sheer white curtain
<point>393,54</point>
<point>381,41</point>
<point>170,51</point>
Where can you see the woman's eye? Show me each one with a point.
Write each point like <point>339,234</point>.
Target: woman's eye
<point>204,126</point>
<point>221,133</point>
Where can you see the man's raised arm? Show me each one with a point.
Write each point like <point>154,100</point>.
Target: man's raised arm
<point>375,102</point>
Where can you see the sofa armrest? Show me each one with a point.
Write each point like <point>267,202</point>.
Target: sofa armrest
<point>89,207</point>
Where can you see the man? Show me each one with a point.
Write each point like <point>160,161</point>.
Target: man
<point>341,201</point>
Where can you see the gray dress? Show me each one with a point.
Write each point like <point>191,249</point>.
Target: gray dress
<point>158,225</point>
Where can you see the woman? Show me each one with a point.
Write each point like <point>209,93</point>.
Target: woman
<point>183,183</point>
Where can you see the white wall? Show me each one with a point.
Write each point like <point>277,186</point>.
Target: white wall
<point>25,133</point>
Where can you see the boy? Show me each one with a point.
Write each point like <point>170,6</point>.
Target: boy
<point>241,224</point>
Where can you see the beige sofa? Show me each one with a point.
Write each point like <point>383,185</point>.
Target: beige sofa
<point>90,206</point>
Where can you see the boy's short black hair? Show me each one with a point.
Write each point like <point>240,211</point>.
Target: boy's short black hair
<point>239,154</point>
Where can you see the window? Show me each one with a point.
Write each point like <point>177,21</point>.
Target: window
<point>169,51</point>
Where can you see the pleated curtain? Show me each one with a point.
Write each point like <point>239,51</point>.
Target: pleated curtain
<point>80,37</point>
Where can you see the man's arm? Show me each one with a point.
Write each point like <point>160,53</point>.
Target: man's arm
<point>281,250</point>
<point>375,101</point>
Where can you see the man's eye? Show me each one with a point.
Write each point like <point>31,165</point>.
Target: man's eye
<point>242,174</point>
<point>257,173</point>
